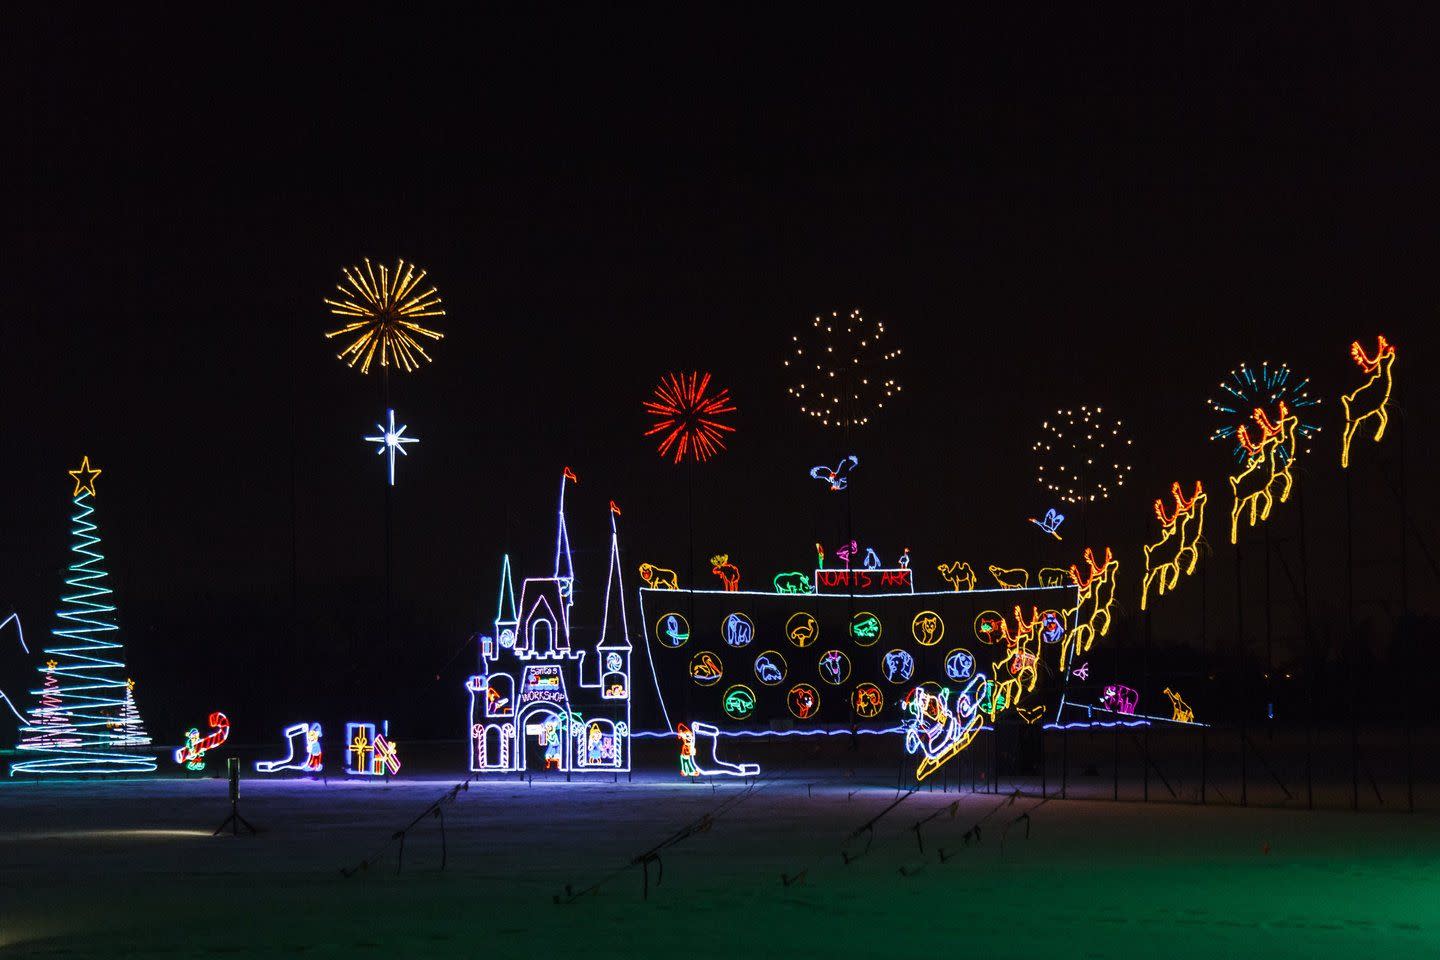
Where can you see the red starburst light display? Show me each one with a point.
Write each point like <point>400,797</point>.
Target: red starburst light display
<point>686,416</point>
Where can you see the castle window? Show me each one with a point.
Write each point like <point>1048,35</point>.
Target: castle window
<point>500,695</point>
<point>542,629</point>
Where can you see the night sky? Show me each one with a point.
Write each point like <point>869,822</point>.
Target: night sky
<point>1043,215</point>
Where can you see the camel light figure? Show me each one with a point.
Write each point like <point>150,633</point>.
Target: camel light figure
<point>958,574</point>
<point>1371,397</point>
<point>1177,551</point>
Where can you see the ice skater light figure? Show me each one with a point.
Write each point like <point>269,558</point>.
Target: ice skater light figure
<point>392,440</point>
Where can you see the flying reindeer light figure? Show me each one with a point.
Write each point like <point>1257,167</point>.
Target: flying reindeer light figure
<point>1266,469</point>
<point>1177,551</point>
<point>1371,397</point>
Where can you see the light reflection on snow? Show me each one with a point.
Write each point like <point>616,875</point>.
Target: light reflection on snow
<point>137,834</point>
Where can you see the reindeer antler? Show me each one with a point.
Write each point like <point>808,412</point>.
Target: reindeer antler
<point>1095,569</point>
<point>1271,428</point>
<point>1182,506</point>
<point>1370,364</point>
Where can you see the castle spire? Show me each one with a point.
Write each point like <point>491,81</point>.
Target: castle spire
<point>614,628</point>
<point>505,609</point>
<point>565,574</point>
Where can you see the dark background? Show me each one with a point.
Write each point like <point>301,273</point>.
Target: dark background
<point>1044,213</point>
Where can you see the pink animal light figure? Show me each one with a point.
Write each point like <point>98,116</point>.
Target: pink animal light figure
<point>1119,698</point>
<point>846,551</point>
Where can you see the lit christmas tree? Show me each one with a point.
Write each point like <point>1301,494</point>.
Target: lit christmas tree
<point>129,729</point>
<point>50,717</point>
<point>86,720</point>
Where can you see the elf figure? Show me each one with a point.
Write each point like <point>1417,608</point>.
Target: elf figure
<point>687,751</point>
<point>550,736</point>
<point>313,757</point>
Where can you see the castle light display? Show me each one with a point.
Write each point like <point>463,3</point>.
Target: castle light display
<point>539,701</point>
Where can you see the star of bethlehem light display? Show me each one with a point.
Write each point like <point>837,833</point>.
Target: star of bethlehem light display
<point>1248,389</point>
<point>688,417</point>
<point>1083,455</point>
<point>845,373</point>
<point>391,440</point>
<point>382,309</point>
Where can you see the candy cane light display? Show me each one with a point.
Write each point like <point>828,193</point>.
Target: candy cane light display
<point>192,752</point>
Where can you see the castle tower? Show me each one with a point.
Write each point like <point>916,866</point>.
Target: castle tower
<point>614,647</point>
<point>506,622</point>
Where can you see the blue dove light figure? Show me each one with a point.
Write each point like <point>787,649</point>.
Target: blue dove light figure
<point>1051,523</point>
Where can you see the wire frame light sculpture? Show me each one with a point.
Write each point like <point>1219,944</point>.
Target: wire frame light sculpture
<point>1083,455</point>
<point>382,309</point>
<point>687,416</point>
<point>844,372</point>
<point>1248,389</point>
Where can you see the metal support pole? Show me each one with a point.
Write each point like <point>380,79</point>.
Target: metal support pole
<point>1350,641</point>
<point>1244,668</point>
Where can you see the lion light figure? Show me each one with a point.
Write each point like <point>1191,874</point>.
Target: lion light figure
<point>658,578</point>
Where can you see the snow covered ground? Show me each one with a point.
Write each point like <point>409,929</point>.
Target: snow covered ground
<point>131,869</point>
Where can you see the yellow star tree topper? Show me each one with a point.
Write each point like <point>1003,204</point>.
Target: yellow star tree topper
<point>84,477</point>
